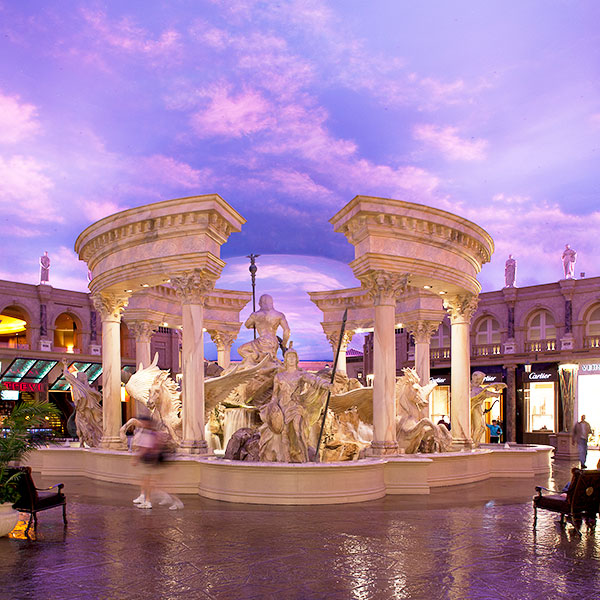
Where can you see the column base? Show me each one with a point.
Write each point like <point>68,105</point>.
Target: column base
<point>112,443</point>
<point>462,444</point>
<point>199,447</point>
<point>383,448</point>
<point>565,448</point>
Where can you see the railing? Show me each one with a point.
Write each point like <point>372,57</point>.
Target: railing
<point>592,341</point>
<point>439,353</point>
<point>540,346</point>
<point>15,346</point>
<point>486,349</point>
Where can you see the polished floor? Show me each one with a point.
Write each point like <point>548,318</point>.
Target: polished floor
<point>472,542</point>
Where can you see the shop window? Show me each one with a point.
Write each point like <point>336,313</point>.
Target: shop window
<point>540,406</point>
<point>541,327</point>
<point>440,403</point>
<point>65,332</point>
<point>487,332</point>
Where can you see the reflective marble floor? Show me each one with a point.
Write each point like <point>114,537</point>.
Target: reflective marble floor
<point>472,542</point>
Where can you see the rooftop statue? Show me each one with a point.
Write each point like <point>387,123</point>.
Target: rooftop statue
<point>479,394</point>
<point>569,256</point>
<point>267,321</point>
<point>44,268</point>
<point>295,406</point>
<point>510,272</point>
<point>88,414</point>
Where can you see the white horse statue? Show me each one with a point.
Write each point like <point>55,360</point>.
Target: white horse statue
<point>413,432</point>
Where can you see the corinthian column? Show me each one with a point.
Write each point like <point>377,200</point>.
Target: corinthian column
<point>460,309</point>
<point>334,337</point>
<point>192,288</point>
<point>143,330</point>
<point>110,306</point>
<point>223,340</point>
<point>384,288</point>
<point>421,332</point>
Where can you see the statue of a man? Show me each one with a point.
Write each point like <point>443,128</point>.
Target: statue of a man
<point>569,256</point>
<point>267,321</point>
<point>44,268</point>
<point>510,272</point>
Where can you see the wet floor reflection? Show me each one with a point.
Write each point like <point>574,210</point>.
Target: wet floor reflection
<point>474,542</point>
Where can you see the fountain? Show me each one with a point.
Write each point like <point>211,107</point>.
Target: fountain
<point>414,264</point>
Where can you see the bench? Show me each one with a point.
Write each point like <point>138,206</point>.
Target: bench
<point>33,500</point>
<point>580,502</point>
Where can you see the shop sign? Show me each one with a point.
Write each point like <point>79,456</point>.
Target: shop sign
<point>589,368</point>
<point>541,376</point>
<point>496,378</point>
<point>23,386</point>
<point>441,379</point>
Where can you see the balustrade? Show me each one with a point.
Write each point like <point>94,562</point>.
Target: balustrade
<point>540,346</point>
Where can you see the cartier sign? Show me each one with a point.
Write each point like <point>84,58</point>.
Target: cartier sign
<point>23,386</point>
<point>541,376</point>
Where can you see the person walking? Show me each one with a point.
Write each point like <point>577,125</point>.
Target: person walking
<point>581,432</point>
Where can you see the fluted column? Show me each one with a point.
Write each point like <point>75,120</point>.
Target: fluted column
<point>460,309</point>
<point>384,288</point>
<point>192,288</point>
<point>223,340</point>
<point>110,306</point>
<point>334,337</point>
<point>421,331</point>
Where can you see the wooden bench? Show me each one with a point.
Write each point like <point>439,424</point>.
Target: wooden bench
<point>33,500</point>
<point>580,502</point>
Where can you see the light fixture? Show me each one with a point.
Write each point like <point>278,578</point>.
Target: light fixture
<point>145,285</point>
<point>427,287</point>
<point>527,368</point>
<point>165,324</point>
<point>128,291</point>
<point>399,325</point>
<point>568,367</point>
<point>442,293</point>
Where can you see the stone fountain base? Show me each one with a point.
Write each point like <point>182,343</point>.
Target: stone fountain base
<point>284,483</point>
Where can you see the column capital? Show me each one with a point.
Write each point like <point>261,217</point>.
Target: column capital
<point>110,305</point>
<point>384,287</point>
<point>192,287</point>
<point>222,339</point>
<point>461,308</point>
<point>422,330</point>
<point>333,337</point>
<point>143,329</point>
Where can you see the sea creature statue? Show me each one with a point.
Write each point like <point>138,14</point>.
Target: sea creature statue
<point>413,432</point>
<point>294,408</point>
<point>479,394</point>
<point>343,437</point>
<point>88,413</point>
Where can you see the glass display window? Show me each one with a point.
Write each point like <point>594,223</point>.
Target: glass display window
<point>540,406</point>
<point>440,403</point>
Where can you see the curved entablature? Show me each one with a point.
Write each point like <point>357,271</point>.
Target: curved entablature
<point>433,247</point>
<point>146,245</point>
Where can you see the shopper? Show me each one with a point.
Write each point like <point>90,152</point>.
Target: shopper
<point>581,432</point>
<point>495,431</point>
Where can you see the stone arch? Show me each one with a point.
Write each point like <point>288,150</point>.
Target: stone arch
<point>67,331</point>
<point>486,329</point>
<point>590,317</point>
<point>17,310</point>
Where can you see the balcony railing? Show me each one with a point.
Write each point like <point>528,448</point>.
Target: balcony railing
<point>486,349</point>
<point>15,346</point>
<point>540,346</point>
<point>592,341</point>
<point>439,353</point>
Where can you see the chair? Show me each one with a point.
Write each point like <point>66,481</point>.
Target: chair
<point>580,502</point>
<point>33,500</point>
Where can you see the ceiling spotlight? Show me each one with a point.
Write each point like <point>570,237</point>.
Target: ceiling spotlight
<point>442,293</point>
<point>128,291</point>
<point>427,287</point>
<point>145,285</point>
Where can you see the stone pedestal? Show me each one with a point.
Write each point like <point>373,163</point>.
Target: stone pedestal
<point>565,448</point>
<point>45,345</point>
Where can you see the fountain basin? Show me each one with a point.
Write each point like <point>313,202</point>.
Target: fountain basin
<point>305,483</point>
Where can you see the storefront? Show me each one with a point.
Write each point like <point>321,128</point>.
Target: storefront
<point>439,401</point>
<point>537,403</point>
<point>588,398</point>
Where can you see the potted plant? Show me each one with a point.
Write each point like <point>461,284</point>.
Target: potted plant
<point>16,441</point>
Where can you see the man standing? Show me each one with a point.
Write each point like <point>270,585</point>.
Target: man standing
<point>581,431</point>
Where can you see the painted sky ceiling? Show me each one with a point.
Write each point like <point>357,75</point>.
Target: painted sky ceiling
<point>288,109</point>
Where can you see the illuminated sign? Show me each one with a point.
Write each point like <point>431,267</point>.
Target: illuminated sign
<point>590,368</point>
<point>541,376</point>
<point>23,386</point>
